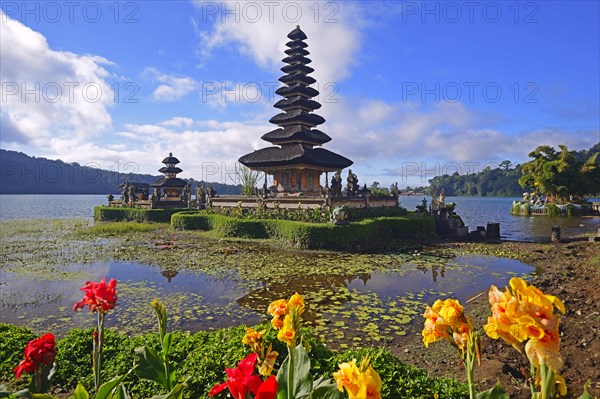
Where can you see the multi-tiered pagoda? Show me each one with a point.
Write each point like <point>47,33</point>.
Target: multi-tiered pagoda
<point>169,187</point>
<point>294,162</point>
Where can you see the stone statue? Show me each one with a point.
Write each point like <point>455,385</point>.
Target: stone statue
<point>363,192</point>
<point>351,184</point>
<point>200,196</point>
<point>132,197</point>
<point>434,202</point>
<point>110,198</point>
<point>157,193</point>
<point>394,190</point>
<point>125,194</point>
<point>442,198</point>
<point>339,215</point>
<point>211,191</point>
<point>187,195</point>
<point>336,184</point>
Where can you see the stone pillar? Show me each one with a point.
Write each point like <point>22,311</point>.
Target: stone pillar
<point>555,235</point>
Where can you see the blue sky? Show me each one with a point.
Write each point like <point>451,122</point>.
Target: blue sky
<point>409,89</point>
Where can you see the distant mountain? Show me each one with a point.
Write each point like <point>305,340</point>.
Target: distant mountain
<point>22,174</point>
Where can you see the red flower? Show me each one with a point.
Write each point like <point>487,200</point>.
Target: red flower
<point>241,379</point>
<point>38,352</point>
<point>99,296</point>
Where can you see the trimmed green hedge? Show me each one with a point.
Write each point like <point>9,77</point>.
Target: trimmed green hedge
<point>203,356</point>
<point>122,214</point>
<point>368,234</point>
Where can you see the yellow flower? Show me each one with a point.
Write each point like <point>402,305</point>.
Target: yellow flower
<point>278,307</point>
<point>287,333</point>
<point>277,322</point>
<point>359,382</point>
<point>561,383</point>
<point>254,339</point>
<point>452,312</point>
<point>446,320</point>
<point>297,300</point>
<point>373,384</point>
<point>525,313</point>
<point>349,378</point>
<point>546,351</point>
<point>266,368</point>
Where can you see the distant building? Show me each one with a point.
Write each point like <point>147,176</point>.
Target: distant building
<point>170,187</point>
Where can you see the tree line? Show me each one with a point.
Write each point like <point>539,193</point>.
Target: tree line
<point>563,174</point>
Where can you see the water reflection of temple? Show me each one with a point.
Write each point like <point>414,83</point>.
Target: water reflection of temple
<point>169,274</point>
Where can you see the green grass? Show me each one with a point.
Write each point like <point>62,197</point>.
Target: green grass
<point>117,228</point>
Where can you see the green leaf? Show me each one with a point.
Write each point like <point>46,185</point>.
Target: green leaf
<point>497,392</point>
<point>150,366</point>
<point>16,395</point>
<point>325,388</point>
<point>166,344</point>
<point>175,393</point>
<point>42,396</point>
<point>282,375</point>
<point>302,382</point>
<point>80,393</point>
<point>585,394</point>
<point>106,390</point>
<point>121,392</point>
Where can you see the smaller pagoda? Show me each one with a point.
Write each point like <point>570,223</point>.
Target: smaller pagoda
<point>169,187</point>
<point>293,161</point>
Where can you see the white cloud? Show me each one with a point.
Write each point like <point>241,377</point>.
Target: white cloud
<point>47,93</point>
<point>171,87</point>
<point>259,31</point>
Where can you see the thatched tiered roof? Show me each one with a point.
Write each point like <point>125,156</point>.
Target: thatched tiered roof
<point>295,138</point>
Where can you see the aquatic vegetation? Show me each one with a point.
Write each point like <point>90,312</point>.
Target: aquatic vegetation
<point>115,228</point>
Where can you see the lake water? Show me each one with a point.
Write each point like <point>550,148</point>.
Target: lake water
<point>475,211</point>
<point>197,301</point>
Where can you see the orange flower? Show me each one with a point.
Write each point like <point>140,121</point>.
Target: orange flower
<point>278,307</point>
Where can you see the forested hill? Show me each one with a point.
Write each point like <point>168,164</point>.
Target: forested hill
<point>499,182</point>
<point>22,174</point>
<point>502,181</point>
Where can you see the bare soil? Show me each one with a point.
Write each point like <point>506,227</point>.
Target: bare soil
<point>570,271</point>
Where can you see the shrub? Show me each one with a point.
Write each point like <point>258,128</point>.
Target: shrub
<point>368,234</point>
<point>516,208</point>
<point>355,214</point>
<point>572,210</point>
<point>115,214</point>
<point>204,356</point>
<point>13,340</point>
<point>552,210</point>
